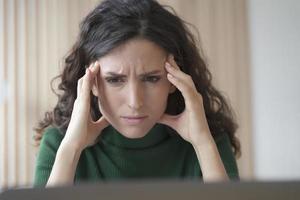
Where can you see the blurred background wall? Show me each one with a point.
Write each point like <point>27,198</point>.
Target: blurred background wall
<point>235,36</point>
<point>275,68</point>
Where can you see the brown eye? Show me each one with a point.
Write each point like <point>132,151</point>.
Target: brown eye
<point>114,80</point>
<point>152,79</point>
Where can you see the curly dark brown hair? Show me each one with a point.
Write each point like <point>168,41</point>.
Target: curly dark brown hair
<point>112,23</point>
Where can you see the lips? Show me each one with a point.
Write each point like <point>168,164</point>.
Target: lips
<point>133,120</point>
<point>134,117</point>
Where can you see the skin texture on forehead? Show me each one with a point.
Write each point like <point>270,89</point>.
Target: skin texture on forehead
<point>142,58</point>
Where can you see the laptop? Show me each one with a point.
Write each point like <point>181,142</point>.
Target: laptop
<point>159,189</point>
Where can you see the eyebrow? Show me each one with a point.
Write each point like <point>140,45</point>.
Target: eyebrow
<point>144,74</point>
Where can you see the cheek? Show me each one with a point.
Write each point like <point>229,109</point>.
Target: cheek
<point>109,101</point>
<point>163,89</point>
<point>158,99</point>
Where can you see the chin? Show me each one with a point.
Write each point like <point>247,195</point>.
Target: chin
<point>134,132</point>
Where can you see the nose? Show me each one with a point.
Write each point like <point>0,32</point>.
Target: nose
<point>135,96</point>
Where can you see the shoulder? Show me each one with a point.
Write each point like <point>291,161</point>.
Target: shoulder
<point>49,145</point>
<point>51,139</point>
<point>52,132</point>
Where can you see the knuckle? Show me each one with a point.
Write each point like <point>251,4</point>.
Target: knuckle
<point>188,78</point>
<point>189,90</point>
<point>76,103</point>
<point>80,79</point>
<point>199,96</point>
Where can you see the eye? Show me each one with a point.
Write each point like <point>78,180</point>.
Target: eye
<point>114,80</point>
<point>151,79</point>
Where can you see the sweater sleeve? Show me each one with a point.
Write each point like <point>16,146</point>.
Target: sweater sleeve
<point>227,156</point>
<point>46,155</point>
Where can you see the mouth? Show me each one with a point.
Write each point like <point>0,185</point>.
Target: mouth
<point>133,120</point>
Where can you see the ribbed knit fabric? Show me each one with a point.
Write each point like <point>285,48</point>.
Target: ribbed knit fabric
<point>159,154</point>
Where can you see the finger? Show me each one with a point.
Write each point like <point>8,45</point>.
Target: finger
<point>96,75</point>
<point>86,86</point>
<point>184,84</point>
<point>80,81</point>
<point>176,72</point>
<point>101,123</point>
<point>169,120</point>
<point>94,68</point>
<point>79,85</point>
<point>99,87</point>
<point>172,61</point>
<point>89,79</point>
<point>189,94</point>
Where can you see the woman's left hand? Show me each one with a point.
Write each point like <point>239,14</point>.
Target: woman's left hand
<point>191,124</point>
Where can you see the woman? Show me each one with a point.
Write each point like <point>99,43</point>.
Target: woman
<point>144,107</point>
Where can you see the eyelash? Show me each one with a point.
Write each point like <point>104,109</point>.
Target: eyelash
<point>116,80</point>
<point>113,80</point>
<point>152,79</point>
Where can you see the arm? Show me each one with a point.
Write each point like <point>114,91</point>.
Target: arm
<point>65,164</point>
<point>192,124</point>
<point>82,132</point>
<point>210,161</point>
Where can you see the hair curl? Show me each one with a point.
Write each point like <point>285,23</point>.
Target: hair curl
<point>112,23</point>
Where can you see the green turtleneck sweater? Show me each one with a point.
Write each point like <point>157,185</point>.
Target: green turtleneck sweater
<point>159,154</point>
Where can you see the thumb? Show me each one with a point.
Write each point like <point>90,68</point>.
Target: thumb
<point>96,129</point>
<point>101,123</point>
<point>169,120</point>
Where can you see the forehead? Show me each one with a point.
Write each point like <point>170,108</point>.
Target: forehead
<point>136,54</point>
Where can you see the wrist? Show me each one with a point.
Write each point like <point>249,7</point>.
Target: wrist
<point>70,148</point>
<point>64,167</point>
<point>204,140</point>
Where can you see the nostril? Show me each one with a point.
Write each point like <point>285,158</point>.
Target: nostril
<point>135,102</point>
<point>135,105</point>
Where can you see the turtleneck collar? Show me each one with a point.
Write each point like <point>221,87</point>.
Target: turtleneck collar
<point>156,134</point>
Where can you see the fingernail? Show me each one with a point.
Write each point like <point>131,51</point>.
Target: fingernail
<point>168,65</point>
<point>170,75</point>
<point>92,66</point>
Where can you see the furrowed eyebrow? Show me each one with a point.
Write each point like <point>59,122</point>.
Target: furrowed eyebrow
<point>144,74</point>
<point>115,74</point>
<point>151,73</point>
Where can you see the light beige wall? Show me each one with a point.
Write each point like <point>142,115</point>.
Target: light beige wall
<point>36,34</point>
<point>222,25</point>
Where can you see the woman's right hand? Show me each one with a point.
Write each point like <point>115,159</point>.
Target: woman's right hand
<point>82,130</point>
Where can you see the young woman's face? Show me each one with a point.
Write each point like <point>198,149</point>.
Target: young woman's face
<point>133,87</point>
